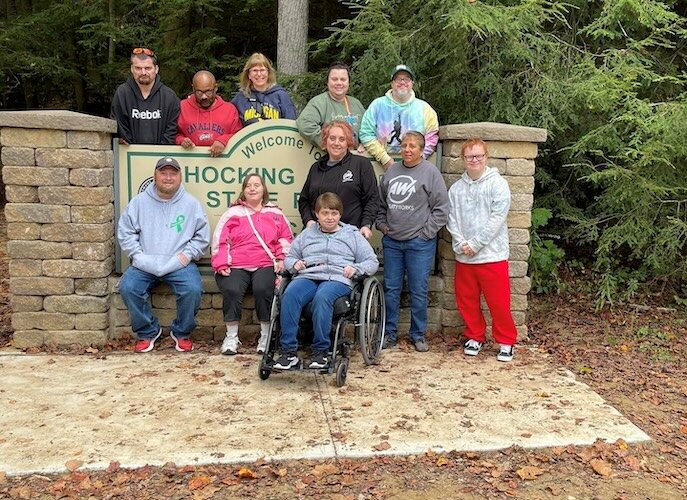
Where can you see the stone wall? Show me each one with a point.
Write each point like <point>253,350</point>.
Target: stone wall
<point>58,175</point>
<point>57,167</point>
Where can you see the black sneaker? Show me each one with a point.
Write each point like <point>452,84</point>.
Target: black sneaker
<point>389,343</point>
<point>318,360</point>
<point>286,361</point>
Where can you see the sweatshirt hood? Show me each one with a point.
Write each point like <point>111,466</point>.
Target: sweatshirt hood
<point>488,172</point>
<point>389,96</point>
<point>219,102</point>
<point>151,191</point>
<point>272,90</point>
<point>137,91</point>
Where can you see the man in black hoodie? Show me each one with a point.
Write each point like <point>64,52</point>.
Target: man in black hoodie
<point>146,110</point>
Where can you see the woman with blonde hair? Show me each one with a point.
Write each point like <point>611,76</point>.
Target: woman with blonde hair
<point>260,97</point>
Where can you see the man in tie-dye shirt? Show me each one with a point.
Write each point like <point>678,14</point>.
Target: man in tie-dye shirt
<point>389,117</point>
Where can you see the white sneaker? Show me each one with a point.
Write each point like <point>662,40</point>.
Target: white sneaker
<point>230,345</point>
<point>472,347</point>
<point>505,353</point>
<point>262,343</point>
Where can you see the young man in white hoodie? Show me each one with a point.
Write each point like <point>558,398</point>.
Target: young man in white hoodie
<point>163,230</point>
<point>479,203</point>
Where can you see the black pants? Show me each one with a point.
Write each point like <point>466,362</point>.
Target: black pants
<point>234,286</point>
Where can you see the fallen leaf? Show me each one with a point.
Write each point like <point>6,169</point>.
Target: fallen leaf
<point>198,482</point>
<point>442,460</point>
<point>246,473</point>
<point>72,465</point>
<point>384,445</point>
<point>113,467</point>
<point>633,463</point>
<point>529,472</point>
<point>324,470</point>
<point>279,472</point>
<point>555,490</point>
<point>601,467</point>
<point>23,492</point>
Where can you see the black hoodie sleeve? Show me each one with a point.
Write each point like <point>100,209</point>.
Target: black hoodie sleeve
<point>119,113</point>
<point>370,193</point>
<point>169,134</point>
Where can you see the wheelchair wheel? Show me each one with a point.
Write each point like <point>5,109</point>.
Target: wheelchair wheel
<point>266,360</point>
<point>262,373</point>
<point>371,320</point>
<point>341,372</point>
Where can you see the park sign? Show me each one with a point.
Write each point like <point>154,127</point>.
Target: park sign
<point>272,148</point>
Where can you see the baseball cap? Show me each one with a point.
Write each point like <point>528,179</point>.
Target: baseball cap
<point>167,161</point>
<point>402,67</point>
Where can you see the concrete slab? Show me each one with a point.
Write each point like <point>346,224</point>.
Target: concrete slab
<point>199,408</point>
<point>453,402</point>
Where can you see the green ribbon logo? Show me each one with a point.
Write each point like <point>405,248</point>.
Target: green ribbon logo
<point>178,222</point>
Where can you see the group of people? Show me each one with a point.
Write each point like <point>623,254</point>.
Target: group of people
<point>149,112</point>
<point>164,229</point>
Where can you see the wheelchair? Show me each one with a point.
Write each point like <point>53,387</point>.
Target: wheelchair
<point>363,309</point>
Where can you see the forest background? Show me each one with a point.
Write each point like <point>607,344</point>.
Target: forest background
<point>606,78</point>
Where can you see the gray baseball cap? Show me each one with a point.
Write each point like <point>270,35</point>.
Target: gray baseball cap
<point>167,161</point>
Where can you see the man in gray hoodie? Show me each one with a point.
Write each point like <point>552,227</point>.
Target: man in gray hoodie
<point>163,231</point>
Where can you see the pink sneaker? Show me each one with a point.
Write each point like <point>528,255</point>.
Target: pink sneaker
<point>182,345</point>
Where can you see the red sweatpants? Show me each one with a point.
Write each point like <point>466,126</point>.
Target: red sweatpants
<point>490,279</point>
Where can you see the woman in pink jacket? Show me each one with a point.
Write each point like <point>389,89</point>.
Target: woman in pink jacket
<point>248,248</point>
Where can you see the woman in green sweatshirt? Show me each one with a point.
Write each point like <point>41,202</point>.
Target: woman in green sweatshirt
<point>334,104</point>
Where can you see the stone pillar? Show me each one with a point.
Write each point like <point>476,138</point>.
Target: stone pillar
<point>57,167</point>
<point>512,149</point>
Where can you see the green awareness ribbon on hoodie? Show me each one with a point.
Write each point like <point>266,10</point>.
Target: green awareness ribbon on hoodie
<point>178,222</point>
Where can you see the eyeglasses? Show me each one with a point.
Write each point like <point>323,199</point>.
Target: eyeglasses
<point>473,157</point>
<point>258,70</point>
<point>199,92</point>
<point>142,50</point>
<point>403,79</point>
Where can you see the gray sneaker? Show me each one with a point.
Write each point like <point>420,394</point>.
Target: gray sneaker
<point>421,345</point>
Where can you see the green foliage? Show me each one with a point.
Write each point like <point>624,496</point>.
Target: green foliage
<point>545,257</point>
<point>606,79</point>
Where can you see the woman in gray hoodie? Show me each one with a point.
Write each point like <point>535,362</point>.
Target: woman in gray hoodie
<point>324,258</point>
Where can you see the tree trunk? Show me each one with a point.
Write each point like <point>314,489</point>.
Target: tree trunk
<point>292,37</point>
<point>113,23</point>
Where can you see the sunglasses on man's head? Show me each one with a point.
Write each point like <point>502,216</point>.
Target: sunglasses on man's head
<point>142,50</point>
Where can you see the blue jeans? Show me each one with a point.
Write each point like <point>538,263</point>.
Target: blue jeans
<point>135,287</point>
<point>413,257</point>
<point>298,294</point>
